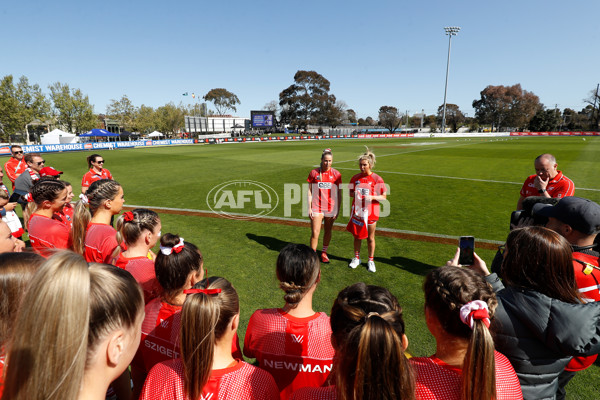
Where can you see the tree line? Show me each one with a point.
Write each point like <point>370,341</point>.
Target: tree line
<point>307,101</point>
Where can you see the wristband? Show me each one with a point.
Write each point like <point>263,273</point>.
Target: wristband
<point>542,191</point>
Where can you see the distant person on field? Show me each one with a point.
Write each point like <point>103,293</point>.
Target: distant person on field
<point>15,164</point>
<point>578,221</point>
<point>96,172</point>
<point>294,334</point>
<point>548,181</point>
<point>324,195</point>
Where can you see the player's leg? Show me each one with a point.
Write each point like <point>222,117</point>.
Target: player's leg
<point>371,246</point>
<point>315,230</point>
<point>327,238</point>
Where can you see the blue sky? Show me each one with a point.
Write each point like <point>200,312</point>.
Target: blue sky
<point>373,53</point>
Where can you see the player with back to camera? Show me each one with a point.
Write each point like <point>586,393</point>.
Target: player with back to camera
<point>207,368</point>
<point>45,231</point>
<point>137,232</point>
<point>91,233</point>
<point>95,173</point>
<point>87,338</point>
<point>369,340</point>
<point>367,189</point>
<point>324,195</point>
<point>16,271</point>
<point>295,334</point>
<point>459,305</point>
<point>178,266</point>
<point>541,321</point>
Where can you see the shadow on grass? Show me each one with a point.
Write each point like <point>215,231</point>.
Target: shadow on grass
<point>270,243</point>
<point>407,264</point>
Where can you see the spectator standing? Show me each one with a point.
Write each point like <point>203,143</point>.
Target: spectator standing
<point>577,220</point>
<point>541,321</point>
<point>548,181</point>
<point>15,164</point>
<point>95,173</point>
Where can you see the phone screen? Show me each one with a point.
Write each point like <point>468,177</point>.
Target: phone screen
<point>467,248</point>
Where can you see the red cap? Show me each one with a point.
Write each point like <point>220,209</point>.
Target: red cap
<point>49,171</point>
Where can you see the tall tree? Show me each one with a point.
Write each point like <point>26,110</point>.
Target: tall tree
<point>506,106</point>
<point>593,100</point>
<point>223,100</point>
<point>20,104</point>
<point>307,101</point>
<point>351,116</point>
<point>454,117</point>
<point>389,118</point>
<point>72,109</point>
<point>545,120</point>
<point>170,119</point>
<point>144,119</point>
<point>123,111</point>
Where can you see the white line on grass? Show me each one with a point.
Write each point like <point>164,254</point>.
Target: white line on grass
<point>249,216</point>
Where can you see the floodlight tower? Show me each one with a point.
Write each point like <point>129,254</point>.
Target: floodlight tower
<point>450,31</point>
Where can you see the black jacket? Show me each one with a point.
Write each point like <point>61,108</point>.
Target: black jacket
<point>539,335</point>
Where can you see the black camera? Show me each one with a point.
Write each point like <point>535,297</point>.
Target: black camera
<point>517,216</point>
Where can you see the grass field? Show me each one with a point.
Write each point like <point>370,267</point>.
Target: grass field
<point>437,186</point>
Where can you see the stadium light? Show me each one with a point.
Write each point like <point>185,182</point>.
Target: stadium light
<point>450,31</point>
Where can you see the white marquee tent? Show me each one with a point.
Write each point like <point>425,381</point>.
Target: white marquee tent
<point>59,137</point>
<point>156,134</point>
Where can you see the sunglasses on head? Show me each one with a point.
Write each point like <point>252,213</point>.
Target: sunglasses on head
<point>18,152</point>
<point>41,162</point>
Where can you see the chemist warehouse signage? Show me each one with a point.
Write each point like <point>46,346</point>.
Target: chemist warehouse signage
<point>45,148</point>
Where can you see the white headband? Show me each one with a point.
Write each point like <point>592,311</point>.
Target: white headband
<point>471,311</point>
<point>168,250</point>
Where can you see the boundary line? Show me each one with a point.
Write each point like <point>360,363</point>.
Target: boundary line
<point>387,232</point>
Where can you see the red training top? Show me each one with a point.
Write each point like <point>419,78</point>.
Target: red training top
<point>371,185</point>
<point>66,215</point>
<point>91,176</point>
<point>308,393</point>
<point>324,188</point>
<point>142,269</point>
<point>47,233</point>
<point>160,336</point>
<point>241,381</point>
<point>13,168</point>
<point>296,351</point>
<point>438,380</point>
<point>560,186</point>
<point>100,243</point>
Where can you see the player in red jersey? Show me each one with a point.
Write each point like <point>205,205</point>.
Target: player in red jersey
<point>207,368</point>
<point>548,181</point>
<point>324,196</point>
<point>94,237</point>
<point>369,338</point>
<point>178,266</point>
<point>293,343</point>
<point>138,231</point>
<point>15,164</point>
<point>16,271</point>
<point>96,172</point>
<point>367,189</point>
<point>66,215</point>
<point>45,232</point>
<point>80,324</point>
<point>459,306</point>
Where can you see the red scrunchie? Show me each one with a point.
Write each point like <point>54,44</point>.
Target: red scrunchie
<point>128,216</point>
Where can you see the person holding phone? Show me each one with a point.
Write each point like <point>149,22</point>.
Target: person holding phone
<point>324,196</point>
<point>96,172</point>
<point>367,189</point>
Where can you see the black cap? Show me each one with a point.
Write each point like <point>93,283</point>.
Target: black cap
<point>583,215</point>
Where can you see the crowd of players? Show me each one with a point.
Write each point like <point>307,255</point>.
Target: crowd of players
<point>110,303</point>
